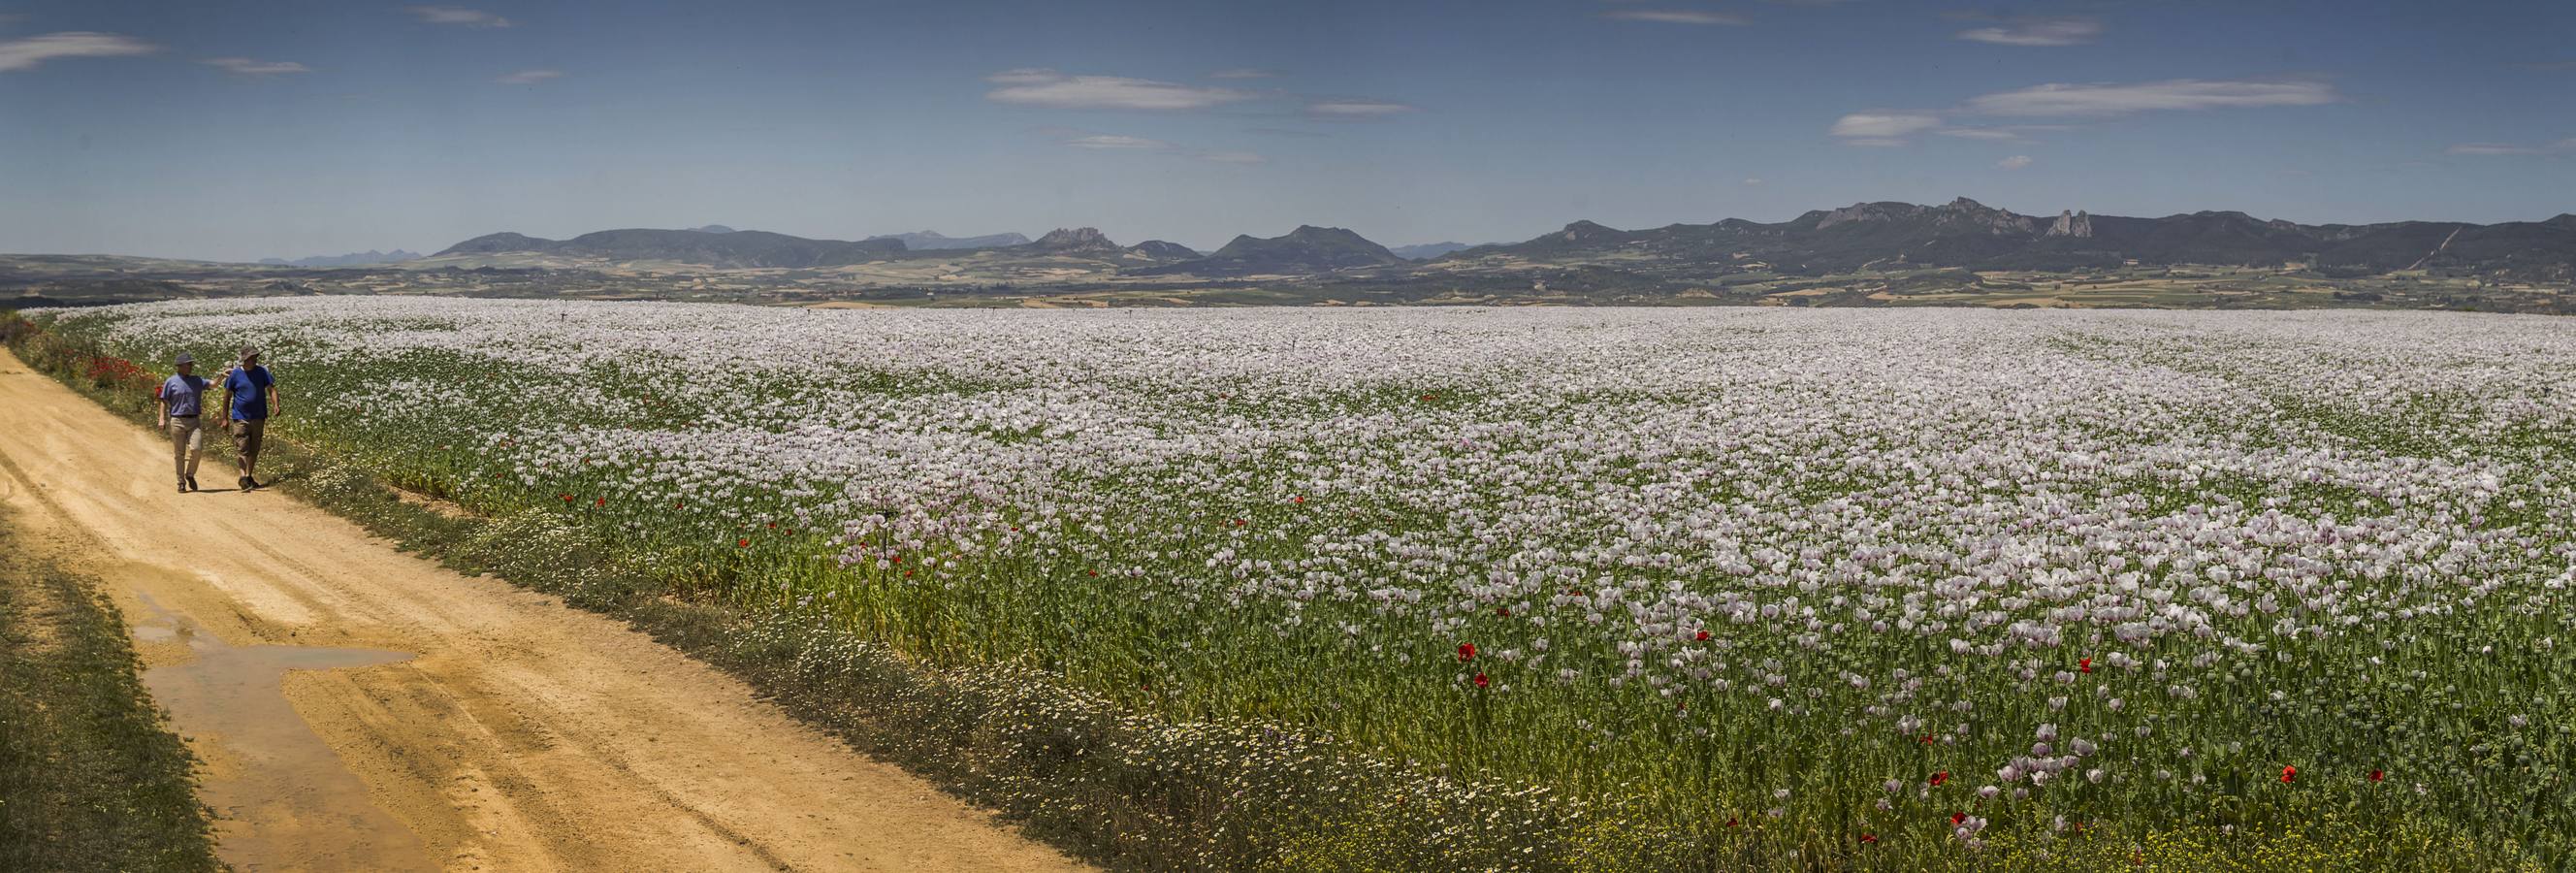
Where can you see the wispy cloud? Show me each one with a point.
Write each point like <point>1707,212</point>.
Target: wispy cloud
<point>2054,31</point>
<point>1752,181</point>
<point>1053,90</point>
<point>2014,163</point>
<point>1112,142</point>
<point>252,67</point>
<point>1109,141</point>
<point>27,54</point>
<point>1881,129</point>
<point>1353,110</point>
<point>458,16</point>
<point>529,77</point>
<point>1675,16</point>
<point>2061,100</point>
<point>2561,147</point>
<point>1243,73</point>
<point>1988,133</point>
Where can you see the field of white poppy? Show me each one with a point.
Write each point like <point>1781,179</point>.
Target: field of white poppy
<point>1849,584</point>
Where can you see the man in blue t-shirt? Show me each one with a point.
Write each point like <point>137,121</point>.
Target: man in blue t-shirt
<point>183,396</point>
<point>251,393</point>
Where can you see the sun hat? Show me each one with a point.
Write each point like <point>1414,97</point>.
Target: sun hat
<point>249,352</point>
<point>185,358</point>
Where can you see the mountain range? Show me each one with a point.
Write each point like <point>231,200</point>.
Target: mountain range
<point>1878,236</point>
<point>926,240</point>
<point>369,256</point>
<point>1306,250</point>
<point>1965,233</point>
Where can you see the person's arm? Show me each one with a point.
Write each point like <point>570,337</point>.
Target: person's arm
<point>275,405</point>
<point>228,395</point>
<point>161,398</point>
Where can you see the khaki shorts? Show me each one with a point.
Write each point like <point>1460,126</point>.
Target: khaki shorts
<point>246,439</point>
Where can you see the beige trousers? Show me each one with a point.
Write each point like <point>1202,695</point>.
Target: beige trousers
<point>187,443</point>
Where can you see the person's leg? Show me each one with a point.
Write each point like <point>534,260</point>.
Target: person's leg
<point>179,428</point>
<point>195,451</point>
<point>253,431</point>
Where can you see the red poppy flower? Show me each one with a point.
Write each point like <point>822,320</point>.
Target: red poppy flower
<point>1238,522</point>
<point>745,543</point>
<point>2376,776</point>
<point>567,498</point>
<point>1482,682</point>
<point>1503,611</point>
<point>1958,818</point>
<point>2289,773</point>
<point>2085,665</point>
<point>1730,822</point>
<point>1701,636</point>
<point>1938,778</point>
<point>1927,739</point>
<point>1466,652</point>
<point>600,502</point>
<point>1297,499</point>
<point>1869,839</point>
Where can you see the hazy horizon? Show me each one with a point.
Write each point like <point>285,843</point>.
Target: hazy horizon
<point>299,129</point>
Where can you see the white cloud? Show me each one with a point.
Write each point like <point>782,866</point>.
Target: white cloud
<point>2013,163</point>
<point>1243,73</point>
<point>1675,16</point>
<point>458,16</point>
<point>1752,181</point>
<point>2038,31</point>
<point>26,54</point>
<point>1083,139</point>
<point>529,77</point>
<point>1054,90</point>
<point>2111,99</point>
<point>250,67</point>
<point>1025,76</point>
<point>1110,141</point>
<point>1988,133</point>
<point>1883,125</point>
<point>1356,109</point>
<point>2564,146</point>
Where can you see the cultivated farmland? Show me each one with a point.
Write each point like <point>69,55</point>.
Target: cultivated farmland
<point>1699,587</point>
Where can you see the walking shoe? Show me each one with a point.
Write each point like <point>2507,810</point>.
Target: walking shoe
<point>183,486</point>
<point>244,483</point>
<point>192,484</point>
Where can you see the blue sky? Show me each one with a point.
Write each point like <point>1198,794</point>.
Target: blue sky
<point>236,131</point>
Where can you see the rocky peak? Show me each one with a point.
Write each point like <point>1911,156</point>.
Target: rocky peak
<point>2074,224</point>
<point>1586,230</point>
<point>1075,239</point>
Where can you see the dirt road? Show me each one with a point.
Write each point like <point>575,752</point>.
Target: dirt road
<point>363,709</point>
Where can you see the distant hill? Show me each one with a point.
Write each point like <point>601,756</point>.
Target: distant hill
<point>1074,240</point>
<point>1427,251</point>
<point>930,239</point>
<point>1308,249</point>
<point>1965,233</point>
<point>713,228</point>
<point>1162,251</point>
<point>370,256</point>
<point>740,248</point>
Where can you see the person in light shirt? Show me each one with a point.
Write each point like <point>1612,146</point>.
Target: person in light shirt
<point>183,400</point>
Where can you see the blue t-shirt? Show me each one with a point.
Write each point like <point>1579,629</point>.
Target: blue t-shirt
<point>249,386</point>
<point>183,395</point>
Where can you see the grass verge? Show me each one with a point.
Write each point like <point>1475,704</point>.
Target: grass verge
<point>90,778</point>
